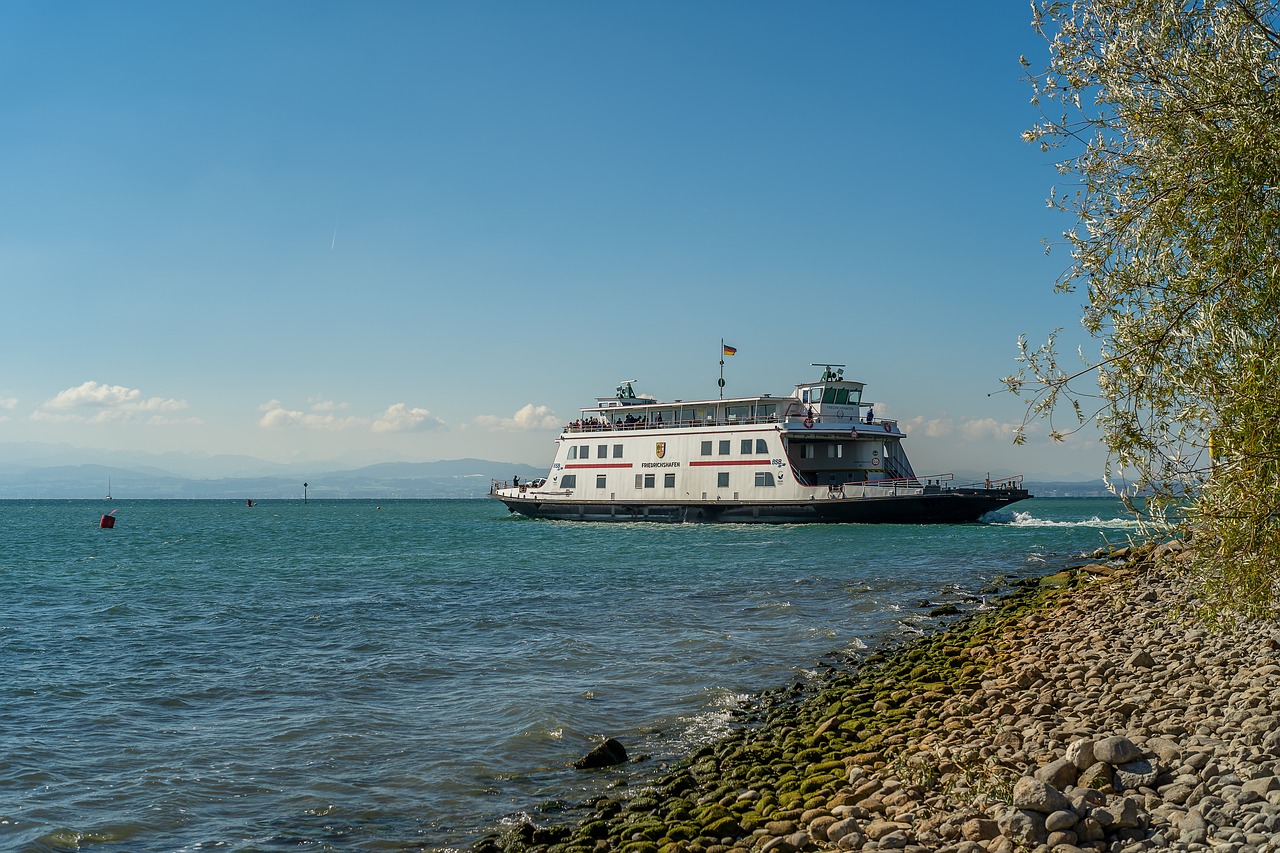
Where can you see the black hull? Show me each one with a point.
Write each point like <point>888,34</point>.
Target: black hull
<point>956,506</point>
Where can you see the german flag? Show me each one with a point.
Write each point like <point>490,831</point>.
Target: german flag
<point>728,350</point>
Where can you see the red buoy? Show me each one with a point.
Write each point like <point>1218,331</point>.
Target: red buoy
<point>108,521</point>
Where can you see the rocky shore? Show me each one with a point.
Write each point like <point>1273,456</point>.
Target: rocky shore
<point>1089,711</point>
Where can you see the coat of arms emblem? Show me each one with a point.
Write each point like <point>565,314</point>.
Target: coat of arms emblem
<point>660,449</point>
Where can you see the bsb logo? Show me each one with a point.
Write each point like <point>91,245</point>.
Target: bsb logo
<point>660,449</point>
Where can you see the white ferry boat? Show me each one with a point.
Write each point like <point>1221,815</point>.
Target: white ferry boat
<point>818,455</point>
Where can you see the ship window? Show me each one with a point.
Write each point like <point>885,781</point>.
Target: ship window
<point>569,481</point>
<point>835,451</point>
<point>706,448</point>
<point>807,451</point>
<point>766,411</point>
<point>617,451</point>
<point>842,396</point>
<point>804,396</point>
<point>648,480</point>
<point>600,481</point>
<point>722,479</point>
<point>669,481</point>
<point>584,451</point>
<point>762,446</point>
<point>724,447</point>
<point>828,395</point>
<point>746,447</point>
<point>602,451</point>
<point>573,452</point>
<point>639,481</point>
<point>764,478</point>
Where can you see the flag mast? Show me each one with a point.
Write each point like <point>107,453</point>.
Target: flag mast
<point>725,349</point>
<point>722,368</point>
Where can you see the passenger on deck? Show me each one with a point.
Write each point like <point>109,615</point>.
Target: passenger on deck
<point>871,415</point>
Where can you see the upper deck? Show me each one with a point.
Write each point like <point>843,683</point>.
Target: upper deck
<point>829,403</point>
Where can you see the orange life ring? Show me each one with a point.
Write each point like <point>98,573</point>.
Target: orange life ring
<point>808,423</point>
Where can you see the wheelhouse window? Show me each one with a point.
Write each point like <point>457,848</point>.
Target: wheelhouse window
<point>722,480</point>
<point>569,481</point>
<point>764,478</point>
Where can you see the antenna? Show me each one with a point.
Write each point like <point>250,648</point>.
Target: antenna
<point>828,374</point>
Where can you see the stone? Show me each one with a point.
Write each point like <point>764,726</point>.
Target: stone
<point>841,828</point>
<point>979,829</point>
<point>607,754</point>
<point>1192,828</point>
<point>1024,826</point>
<point>1097,777</point>
<point>895,840</point>
<point>1059,821</point>
<point>878,829</point>
<point>1165,750</point>
<point>1140,659</point>
<point>1059,840</point>
<point>1262,785</point>
<point>1037,796</point>
<point>1116,750</point>
<point>1080,753</point>
<point>1061,773</point>
<point>1135,774</point>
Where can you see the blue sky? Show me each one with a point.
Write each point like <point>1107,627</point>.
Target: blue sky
<point>428,230</point>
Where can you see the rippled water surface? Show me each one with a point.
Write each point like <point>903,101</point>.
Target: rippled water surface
<point>352,676</point>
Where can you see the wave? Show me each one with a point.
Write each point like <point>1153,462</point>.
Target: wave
<point>1026,519</point>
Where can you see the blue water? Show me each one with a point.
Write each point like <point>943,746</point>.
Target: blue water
<point>353,676</point>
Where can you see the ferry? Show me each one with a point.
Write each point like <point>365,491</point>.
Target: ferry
<point>818,455</point>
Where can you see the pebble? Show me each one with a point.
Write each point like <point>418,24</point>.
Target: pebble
<point>1108,719</point>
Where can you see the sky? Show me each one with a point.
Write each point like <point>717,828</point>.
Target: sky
<point>434,230</point>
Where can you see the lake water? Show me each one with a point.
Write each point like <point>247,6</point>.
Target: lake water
<point>348,675</point>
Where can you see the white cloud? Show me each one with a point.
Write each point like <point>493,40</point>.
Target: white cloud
<point>8,403</point>
<point>933,428</point>
<point>276,416</point>
<point>94,403</point>
<point>319,404</point>
<point>400,418</point>
<point>529,417</point>
<point>983,428</point>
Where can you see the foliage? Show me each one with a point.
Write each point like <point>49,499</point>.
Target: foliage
<point>1166,118</point>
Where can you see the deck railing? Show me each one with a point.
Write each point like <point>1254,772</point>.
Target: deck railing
<point>792,423</point>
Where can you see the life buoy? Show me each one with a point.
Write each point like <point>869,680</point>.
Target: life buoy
<point>808,423</point>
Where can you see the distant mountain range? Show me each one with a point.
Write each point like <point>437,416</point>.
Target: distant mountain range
<point>53,472</point>
<point>45,471</point>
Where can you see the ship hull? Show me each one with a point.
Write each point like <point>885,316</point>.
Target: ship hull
<point>953,506</point>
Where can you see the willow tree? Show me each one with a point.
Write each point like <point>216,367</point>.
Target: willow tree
<point>1164,119</point>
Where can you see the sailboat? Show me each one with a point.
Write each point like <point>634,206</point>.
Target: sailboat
<point>108,488</point>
